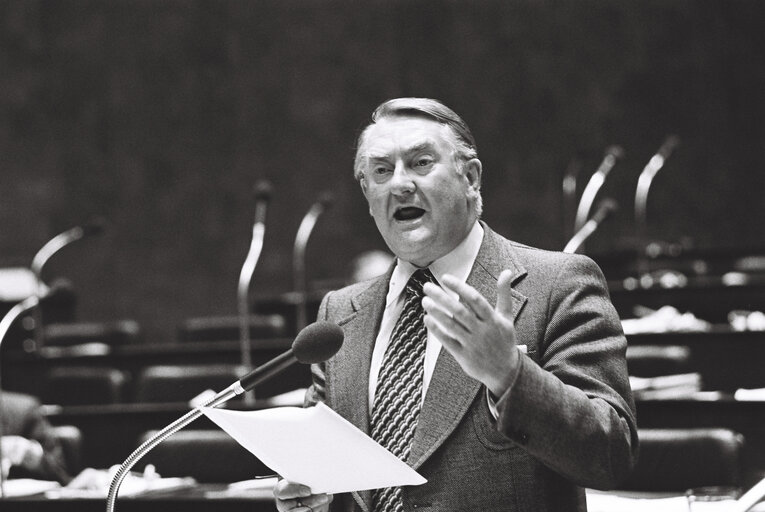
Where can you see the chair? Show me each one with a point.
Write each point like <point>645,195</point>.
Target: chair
<point>209,456</point>
<point>181,383</point>
<point>226,328</point>
<point>84,385</point>
<point>120,332</point>
<point>679,459</point>
<point>655,360</point>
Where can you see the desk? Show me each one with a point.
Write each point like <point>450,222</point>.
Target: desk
<point>111,432</point>
<point>188,500</point>
<point>747,418</point>
<point>26,372</point>
<point>726,359</point>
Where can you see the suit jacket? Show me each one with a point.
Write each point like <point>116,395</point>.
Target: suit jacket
<point>567,421</point>
<point>21,415</point>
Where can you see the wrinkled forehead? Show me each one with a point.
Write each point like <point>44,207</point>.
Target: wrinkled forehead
<point>393,135</point>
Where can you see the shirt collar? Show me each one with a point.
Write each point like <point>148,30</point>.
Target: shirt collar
<point>458,263</point>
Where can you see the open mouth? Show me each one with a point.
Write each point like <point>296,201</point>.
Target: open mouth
<point>408,213</point>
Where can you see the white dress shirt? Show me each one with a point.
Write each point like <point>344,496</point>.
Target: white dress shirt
<point>458,264</point>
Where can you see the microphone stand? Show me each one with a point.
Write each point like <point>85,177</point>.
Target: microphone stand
<point>298,256</point>
<point>225,395</point>
<point>317,342</point>
<point>5,324</point>
<point>39,260</point>
<point>605,209</point>
<point>613,153</point>
<point>568,186</point>
<point>641,197</point>
<point>262,197</point>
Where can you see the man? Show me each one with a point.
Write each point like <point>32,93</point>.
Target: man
<point>29,447</point>
<point>522,394</point>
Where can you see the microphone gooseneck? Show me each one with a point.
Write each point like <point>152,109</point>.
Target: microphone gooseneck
<point>316,343</point>
<point>92,228</point>
<point>605,208</point>
<point>613,154</point>
<point>5,325</point>
<point>262,193</point>
<point>298,254</point>
<point>641,196</point>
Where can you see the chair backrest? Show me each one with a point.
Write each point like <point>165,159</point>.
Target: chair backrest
<point>84,385</point>
<point>210,456</point>
<point>676,459</point>
<point>226,328</point>
<point>655,360</point>
<point>119,332</point>
<point>181,383</point>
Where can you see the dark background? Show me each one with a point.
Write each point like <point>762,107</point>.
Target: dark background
<point>160,117</point>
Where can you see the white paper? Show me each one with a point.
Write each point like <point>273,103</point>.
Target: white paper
<point>315,447</point>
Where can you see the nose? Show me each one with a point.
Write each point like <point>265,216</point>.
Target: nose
<point>401,182</point>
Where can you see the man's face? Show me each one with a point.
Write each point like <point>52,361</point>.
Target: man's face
<point>418,199</point>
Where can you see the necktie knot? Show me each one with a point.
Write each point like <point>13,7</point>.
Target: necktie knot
<point>417,281</point>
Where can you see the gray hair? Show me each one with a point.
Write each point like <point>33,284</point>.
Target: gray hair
<point>464,143</point>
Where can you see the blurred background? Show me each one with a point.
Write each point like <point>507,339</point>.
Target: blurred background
<point>161,116</point>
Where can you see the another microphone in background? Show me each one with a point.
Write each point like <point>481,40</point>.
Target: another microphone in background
<point>314,344</point>
<point>570,176</point>
<point>613,154</point>
<point>641,196</point>
<point>298,255</point>
<point>605,208</point>
<point>55,244</point>
<point>262,193</point>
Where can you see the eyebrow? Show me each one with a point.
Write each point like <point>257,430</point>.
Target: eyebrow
<point>416,148</point>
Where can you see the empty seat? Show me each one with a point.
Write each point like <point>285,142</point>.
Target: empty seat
<point>677,459</point>
<point>181,383</point>
<point>84,385</point>
<point>655,360</point>
<point>226,328</point>
<point>210,456</point>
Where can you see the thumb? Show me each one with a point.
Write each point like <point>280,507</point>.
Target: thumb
<point>504,294</point>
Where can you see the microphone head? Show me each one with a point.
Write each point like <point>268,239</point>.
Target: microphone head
<point>605,208</point>
<point>317,342</point>
<point>93,227</point>
<point>615,151</point>
<point>263,190</point>
<point>326,199</point>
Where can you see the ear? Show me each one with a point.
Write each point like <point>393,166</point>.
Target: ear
<point>363,183</point>
<point>472,171</point>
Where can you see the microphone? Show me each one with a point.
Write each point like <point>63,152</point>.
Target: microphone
<point>605,209</point>
<point>93,227</point>
<point>613,153</point>
<point>5,324</point>
<point>298,255</point>
<point>641,192</point>
<point>262,193</point>
<point>314,344</point>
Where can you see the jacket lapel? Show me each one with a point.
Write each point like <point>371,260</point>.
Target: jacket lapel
<point>451,391</point>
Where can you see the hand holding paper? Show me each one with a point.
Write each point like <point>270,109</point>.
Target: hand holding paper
<point>316,447</point>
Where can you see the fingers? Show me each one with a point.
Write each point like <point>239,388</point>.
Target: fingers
<point>299,498</point>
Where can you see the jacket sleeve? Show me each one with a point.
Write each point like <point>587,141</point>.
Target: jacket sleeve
<point>573,409</point>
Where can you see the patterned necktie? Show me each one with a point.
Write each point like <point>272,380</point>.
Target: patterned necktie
<point>399,386</point>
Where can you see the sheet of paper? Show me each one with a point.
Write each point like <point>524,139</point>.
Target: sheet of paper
<point>316,447</point>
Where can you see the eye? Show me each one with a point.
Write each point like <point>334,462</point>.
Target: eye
<point>423,161</point>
